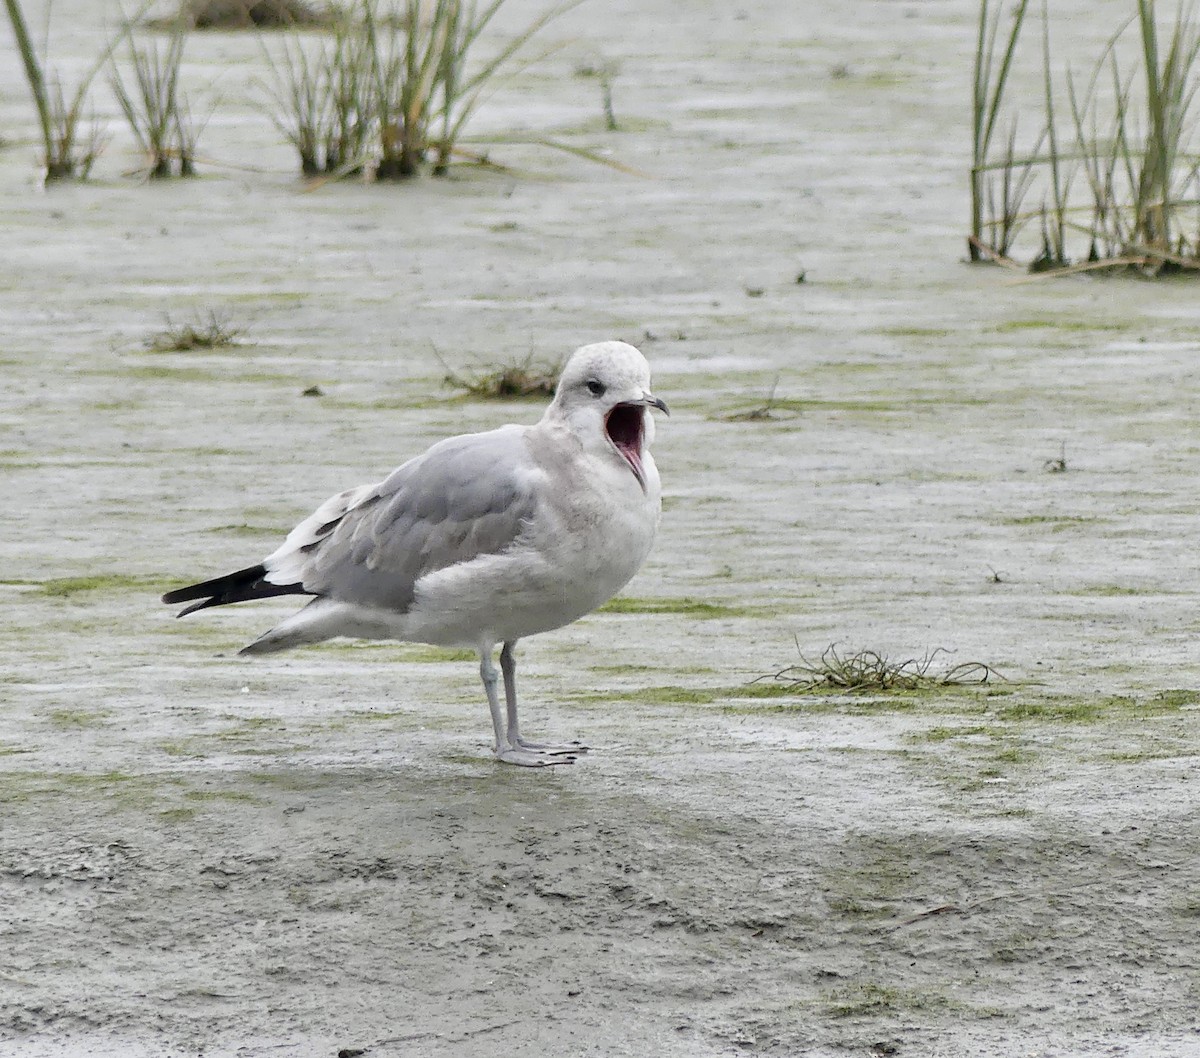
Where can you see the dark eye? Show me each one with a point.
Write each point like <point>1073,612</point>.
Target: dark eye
<point>595,387</point>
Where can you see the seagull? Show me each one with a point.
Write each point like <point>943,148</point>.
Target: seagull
<point>484,539</point>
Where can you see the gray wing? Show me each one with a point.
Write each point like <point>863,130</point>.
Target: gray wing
<point>465,497</point>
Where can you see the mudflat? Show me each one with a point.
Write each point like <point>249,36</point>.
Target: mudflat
<point>872,444</point>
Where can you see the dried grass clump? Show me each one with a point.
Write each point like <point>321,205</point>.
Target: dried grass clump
<point>868,670</point>
<point>212,331</point>
<point>523,379</point>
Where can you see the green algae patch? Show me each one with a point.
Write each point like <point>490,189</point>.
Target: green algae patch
<point>68,719</point>
<point>108,788</point>
<point>947,733</point>
<point>876,1000</point>
<point>1054,522</point>
<point>190,748</point>
<point>764,697</point>
<point>1107,591</point>
<point>1063,323</point>
<point>1179,698</point>
<point>902,331</point>
<point>423,654</point>
<point>1075,710</point>
<point>701,609</point>
<point>64,587</point>
<point>623,670</point>
<point>671,695</point>
<point>223,795</point>
<point>177,815</point>
<point>1062,712</point>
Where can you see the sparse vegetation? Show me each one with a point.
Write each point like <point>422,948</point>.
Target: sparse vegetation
<point>605,72</point>
<point>157,112</point>
<point>1130,127</point>
<point>68,152</point>
<point>1058,464</point>
<point>700,609</point>
<point>211,331</point>
<point>387,93</point>
<point>868,671</point>
<point>770,410</point>
<point>37,82</point>
<point>520,379</point>
<point>390,92</point>
<point>65,587</point>
<point>870,1000</point>
<point>301,99</point>
<point>68,719</point>
<point>990,81</point>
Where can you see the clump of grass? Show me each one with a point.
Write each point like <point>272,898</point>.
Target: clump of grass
<point>69,152</point>
<point>60,158</point>
<point>1058,711</point>
<point>323,102</point>
<point>870,671</point>
<point>1054,208</point>
<point>1130,132</point>
<point>406,59</point>
<point>211,331</point>
<point>990,81</point>
<point>1005,202</point>
<point>391,93</point>
<point>157,113</point>
<point>520,379</point>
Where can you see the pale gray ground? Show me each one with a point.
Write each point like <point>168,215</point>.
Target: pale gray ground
<point>206,855</point>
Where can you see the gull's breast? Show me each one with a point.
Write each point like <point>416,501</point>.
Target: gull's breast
<point>583,545</point>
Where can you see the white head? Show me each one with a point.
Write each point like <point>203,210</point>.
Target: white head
<point>604,397</point>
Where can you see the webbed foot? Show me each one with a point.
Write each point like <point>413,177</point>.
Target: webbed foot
<point>529,755</point>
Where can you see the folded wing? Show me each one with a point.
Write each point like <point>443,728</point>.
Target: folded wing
<point>466,497</point>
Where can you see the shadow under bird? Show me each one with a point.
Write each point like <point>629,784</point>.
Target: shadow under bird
<point>485,538</point>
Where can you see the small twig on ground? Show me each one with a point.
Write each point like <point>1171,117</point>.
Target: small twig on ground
<point>768,411</point>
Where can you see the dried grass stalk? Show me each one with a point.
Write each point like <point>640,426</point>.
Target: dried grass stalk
<point>867,670</point>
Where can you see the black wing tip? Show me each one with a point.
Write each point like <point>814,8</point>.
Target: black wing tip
<point>242,586</point>
<point>218,590</point>
<point>202,604</point>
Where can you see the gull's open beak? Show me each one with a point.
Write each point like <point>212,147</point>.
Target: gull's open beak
<point>652,401</point>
